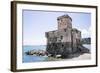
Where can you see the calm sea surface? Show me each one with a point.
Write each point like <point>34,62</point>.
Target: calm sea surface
<point>31,58</point>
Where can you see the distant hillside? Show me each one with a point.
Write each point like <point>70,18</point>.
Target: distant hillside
<point>86,40</point>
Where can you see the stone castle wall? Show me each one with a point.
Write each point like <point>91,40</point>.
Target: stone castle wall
<point>65,40</point>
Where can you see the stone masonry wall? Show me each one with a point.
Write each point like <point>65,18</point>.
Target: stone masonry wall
<point>65,40</point>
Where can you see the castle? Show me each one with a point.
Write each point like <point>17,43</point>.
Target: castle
<point>64,41</point>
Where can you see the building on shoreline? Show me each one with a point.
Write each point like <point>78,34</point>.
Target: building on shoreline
<point>65,40</point>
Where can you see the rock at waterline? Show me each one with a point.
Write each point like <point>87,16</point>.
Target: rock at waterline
<point>36,52</point>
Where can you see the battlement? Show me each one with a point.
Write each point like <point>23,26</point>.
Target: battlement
<point>64,16</point>
<point>64,22</point>
<point>65,40</point>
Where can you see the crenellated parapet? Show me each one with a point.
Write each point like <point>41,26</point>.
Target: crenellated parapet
<point>64,41</point>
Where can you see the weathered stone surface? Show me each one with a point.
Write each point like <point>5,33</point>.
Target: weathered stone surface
<point>83,49</point>
<point>59,48</point>
<point>66,40</point>
<point>36,52</point>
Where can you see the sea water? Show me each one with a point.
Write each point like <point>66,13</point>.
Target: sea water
<point>32,58</point>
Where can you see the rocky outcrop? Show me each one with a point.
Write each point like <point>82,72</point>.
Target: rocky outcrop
<point>59,48</point>
<point>83,49</point>
<point>66,41</point>
<point>37,52</point>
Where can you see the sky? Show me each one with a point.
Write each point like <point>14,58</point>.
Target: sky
<point>36,23</point>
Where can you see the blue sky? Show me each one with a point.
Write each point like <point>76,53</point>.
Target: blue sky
<point>36,23</point>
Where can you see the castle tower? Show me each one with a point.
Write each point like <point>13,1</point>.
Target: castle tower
<point>64,22</point>
<point>65,40</point>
